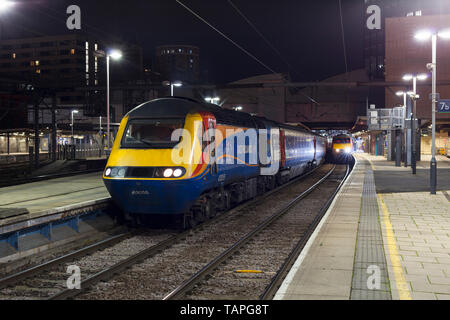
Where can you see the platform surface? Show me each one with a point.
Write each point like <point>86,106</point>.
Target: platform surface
<point>384,237</point>
<point>37,198</point>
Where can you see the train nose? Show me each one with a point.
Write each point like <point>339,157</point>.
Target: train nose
<point>152,196</point>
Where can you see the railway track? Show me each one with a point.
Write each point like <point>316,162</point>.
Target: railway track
<point>160,270</point>
<point>165,259</point>
<point>49,278</point>
<point>264,247</point>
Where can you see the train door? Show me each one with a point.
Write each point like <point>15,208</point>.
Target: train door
<point>282,149</point>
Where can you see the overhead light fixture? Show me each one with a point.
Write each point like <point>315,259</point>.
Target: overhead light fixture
<point>423,35</point>
<point>116,54</point>
<point>445,34</point>
<point>408,77</point>
<point>422,76</point>
<point>5,5</point>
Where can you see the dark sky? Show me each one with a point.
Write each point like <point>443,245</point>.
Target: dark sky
<point>306,33</point>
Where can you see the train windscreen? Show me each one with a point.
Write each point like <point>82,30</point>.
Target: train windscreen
<point>145,133</point>
<point>342,140</point>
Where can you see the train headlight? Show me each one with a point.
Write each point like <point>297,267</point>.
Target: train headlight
<point>168,173</point>
<point>114,172</point>
<point>178,173</point>
<point>108,172</point>
<point>121,173</point>
<point>348,150</point>
<point>338,150</point>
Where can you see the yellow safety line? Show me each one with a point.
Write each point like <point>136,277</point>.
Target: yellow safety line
<point>402,285</point>
<point>248,271</point>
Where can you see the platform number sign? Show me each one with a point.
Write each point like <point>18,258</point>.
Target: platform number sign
<point>444,106</point>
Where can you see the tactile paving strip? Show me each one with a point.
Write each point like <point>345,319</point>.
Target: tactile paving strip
<point>370,277</point>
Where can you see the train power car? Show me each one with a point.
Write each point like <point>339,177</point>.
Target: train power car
<point>342,148</point>
<point>189,160</point>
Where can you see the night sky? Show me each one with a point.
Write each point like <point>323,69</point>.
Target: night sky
<point>306,33</point>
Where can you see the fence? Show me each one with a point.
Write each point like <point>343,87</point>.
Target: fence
<point>79,152</point>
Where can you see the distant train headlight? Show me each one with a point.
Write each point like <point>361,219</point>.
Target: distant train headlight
<point>178,173</point>
<point>168,173</point>
<point>108,172</point>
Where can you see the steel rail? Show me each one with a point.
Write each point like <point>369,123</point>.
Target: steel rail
<point>149,252</point>
<point>278,279</point>
<point>206,270</point>
<point>17,277</point>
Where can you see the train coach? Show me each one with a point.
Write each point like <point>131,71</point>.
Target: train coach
<point>189,160</point>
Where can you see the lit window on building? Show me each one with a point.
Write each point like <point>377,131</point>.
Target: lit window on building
<point>38,71</point>
<point>419,13</point>
<point>14,55</point>
<point>410,14</point>
<point>72,51</point>
<point>37,62</point>
<point>96,46</point>
<point>32,63</point>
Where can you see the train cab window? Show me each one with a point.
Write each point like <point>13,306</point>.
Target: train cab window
<point>151,133</point>
<point>342,140</point>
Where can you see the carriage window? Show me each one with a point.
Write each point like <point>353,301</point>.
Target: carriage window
<point>151,133</point>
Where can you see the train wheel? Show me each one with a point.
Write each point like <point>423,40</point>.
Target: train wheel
<point>209,210</point>
<point>190,220</point>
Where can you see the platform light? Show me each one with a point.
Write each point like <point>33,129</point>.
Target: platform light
<point>115,54</point>
<point>444,34</point>
<point>423,35</point>
<point>400,93</point>
<point>408,77</point>
<point>422,76</point>
<point>177,84</point>
<point>5,5</point>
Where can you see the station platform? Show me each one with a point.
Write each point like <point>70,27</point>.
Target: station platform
<point>384,237</point>
<point>45,198</point>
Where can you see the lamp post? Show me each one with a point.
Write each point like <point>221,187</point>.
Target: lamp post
<point>413,95</point>
<point>73,112</point>
<point>115,55</point>
<point>422,36</point>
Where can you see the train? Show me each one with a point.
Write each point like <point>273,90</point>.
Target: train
<point>342,147</point>
<point>181,158</point>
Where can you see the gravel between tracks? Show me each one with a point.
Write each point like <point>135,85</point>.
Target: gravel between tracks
<point>159,275</point>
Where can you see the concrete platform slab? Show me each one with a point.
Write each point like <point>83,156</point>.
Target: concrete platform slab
<point>400,233</point>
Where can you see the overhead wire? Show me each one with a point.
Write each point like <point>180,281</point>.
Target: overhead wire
<point>226,37</point>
